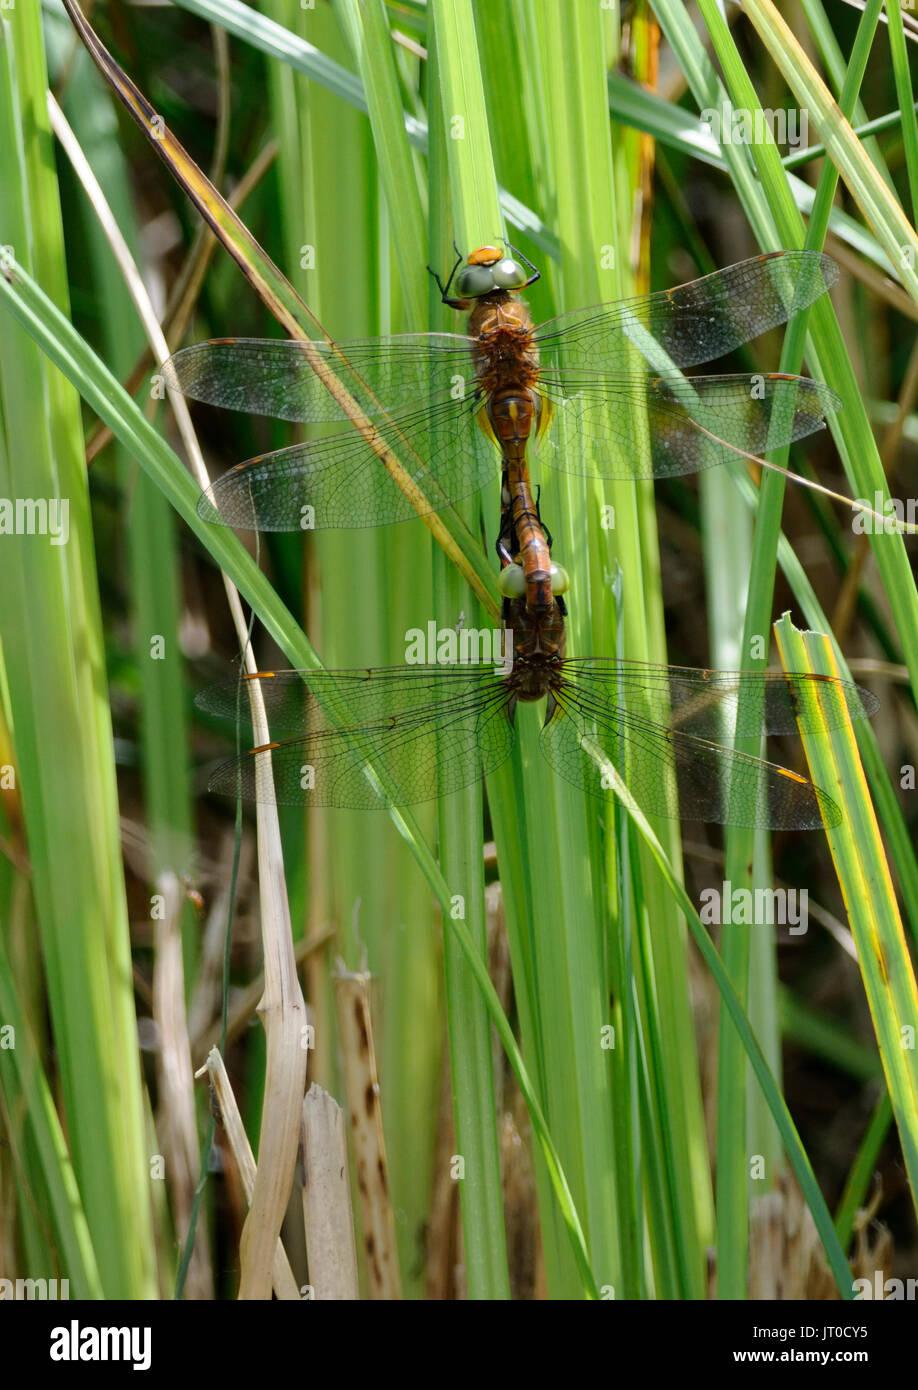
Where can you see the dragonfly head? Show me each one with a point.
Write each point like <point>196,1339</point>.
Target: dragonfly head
<point>488,271</point>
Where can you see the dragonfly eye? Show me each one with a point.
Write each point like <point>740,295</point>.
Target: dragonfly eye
<point>512,581</point>
<point>560,579</point>
<point>473,281</point>
<point>509,274</point>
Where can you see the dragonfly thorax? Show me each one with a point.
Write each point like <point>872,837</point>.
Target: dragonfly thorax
<point>501,329</point>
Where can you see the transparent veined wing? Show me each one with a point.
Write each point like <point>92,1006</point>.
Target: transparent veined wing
<point>408,734</point>
<point>695,322</point>
<point>717,704</point>
<point>350,479</point>
<point>675,774</point>
<point>657,427</point>
<point>297,381</point>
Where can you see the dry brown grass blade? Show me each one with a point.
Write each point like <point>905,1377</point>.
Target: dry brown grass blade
<point>175,1118</point>
<point>284,1282</point>
<point>355,1031</point>
<point>328,1218</point>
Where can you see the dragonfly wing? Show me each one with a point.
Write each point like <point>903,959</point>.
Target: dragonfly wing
<point>450,728</point>
<point>674,774</point>
<point>308,381</point>
<point>298,702</point>
<point>696,322</point>
<point>406,467</point>
<point>720,704</point>
<point>661,427</point>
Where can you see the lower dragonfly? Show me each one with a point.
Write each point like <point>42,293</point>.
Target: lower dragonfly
<point>373,739</point>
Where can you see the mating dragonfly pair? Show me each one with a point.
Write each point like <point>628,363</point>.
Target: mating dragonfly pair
<point>427,411</point>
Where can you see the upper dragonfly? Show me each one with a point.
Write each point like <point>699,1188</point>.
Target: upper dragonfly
<point>428,408</point>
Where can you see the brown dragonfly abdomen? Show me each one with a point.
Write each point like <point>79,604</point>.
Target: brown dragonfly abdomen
<point>507,366</point>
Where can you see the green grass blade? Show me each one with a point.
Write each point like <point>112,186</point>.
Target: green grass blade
<point>863,873</point>
<point>51,631</point>
<point>789,1136</point>
<point>882,213</point>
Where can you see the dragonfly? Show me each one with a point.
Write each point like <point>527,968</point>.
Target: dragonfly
<point>393,736</point>
<point>598,391</point>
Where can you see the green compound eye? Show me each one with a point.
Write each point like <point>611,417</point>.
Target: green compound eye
<point>512,581</point>
<point>560,579</point>
<point>509,274</point>
<point>473,281</point>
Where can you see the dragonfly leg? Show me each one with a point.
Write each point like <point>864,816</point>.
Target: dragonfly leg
<point>444,289</point>
<point>551,705</point>
<point>503,554</point>
<point>536,274</point>
<point>507,545</point>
